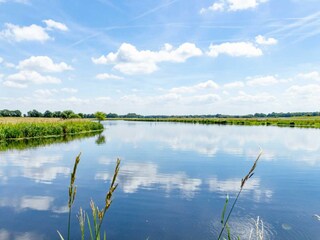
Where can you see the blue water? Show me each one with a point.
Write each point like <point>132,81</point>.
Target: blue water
<point>173,182</point>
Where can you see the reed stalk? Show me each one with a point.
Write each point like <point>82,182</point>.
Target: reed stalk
<point>243,182</point>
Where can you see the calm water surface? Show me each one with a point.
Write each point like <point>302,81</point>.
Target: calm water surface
<point>172,185</point>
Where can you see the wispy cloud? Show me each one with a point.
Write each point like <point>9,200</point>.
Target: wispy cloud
<point>306,27</point>
<point>153,10</point>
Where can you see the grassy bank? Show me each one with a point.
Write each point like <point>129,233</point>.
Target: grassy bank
<point>20,128</point>
<point>308,122</point>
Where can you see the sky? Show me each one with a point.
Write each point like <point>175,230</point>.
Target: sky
<point>160,57</point>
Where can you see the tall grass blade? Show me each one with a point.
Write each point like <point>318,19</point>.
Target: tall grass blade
<point>243,181</point>
<point>72,191</point>
<point>224,209</point>
<point>89,226</point>
<point>60,235</point>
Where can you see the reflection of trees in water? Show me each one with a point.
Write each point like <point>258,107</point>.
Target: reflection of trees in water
<point>37,142</point>
<point>101,139</point>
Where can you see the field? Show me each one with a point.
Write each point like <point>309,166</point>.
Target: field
<point>307,122</point>
<point>21,128</point>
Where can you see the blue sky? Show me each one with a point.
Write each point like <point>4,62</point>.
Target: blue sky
<point>160,57</point>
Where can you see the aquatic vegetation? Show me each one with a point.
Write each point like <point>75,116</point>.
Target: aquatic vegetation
<point>97,214</point>
<point>19,129</point>
<point>224,221</point>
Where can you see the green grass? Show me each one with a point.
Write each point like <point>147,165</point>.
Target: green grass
<point>24,128</point>
<point>307,122</point>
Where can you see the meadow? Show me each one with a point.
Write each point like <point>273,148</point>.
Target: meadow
<point>22,128</point>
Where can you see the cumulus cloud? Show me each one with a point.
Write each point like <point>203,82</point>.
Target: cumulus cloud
<point>262,81</point>
<point>232,5</point>
<point>208,85</point>
<point>304,91</point>
<point>105,76</point>
<point>265,41</point>
<point>236,84</point>
<point>69,90</point>
<point>28,33</point>
<point>55,25</point>
<point>235,49</point>
<point>129,60</point>
<point>43,64</point>
<point>44,92</point>
<point>315,76</point>
<point>33,32</point>
<point>255,98</point>
<point>23,78</point>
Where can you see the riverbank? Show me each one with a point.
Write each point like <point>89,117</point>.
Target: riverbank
<point>24,128</point>
<point>305,122</point>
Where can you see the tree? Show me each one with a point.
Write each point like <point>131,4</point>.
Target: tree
<point>67,114</point>
<point>48,114</point>
<point>100,116</point>
<point>34,113</point>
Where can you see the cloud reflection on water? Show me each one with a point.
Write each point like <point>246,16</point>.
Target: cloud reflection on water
<point>32,165</point>
<point>235,140</point>
<point>134,176</point>
<point>6,235</point>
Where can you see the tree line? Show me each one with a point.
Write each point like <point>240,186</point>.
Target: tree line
<point>67,114</point>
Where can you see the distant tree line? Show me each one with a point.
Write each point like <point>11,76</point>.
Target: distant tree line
<point>67,114</point>
<point>256,115</point>
<point>10,113</point>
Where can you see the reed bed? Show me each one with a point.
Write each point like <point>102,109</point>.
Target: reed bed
<point>94,225</point>
<point>307,122</point>
<point>21,128</point>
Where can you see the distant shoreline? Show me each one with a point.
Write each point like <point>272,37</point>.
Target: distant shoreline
<point>301,122</point>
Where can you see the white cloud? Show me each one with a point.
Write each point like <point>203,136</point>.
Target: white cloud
<point>55,25</point>
<point>129,60</point>
<point>1,60</point>
<point>304,91</point>
<point>235,49</point>
<point>12,84</point>
<point>205,99</point>
<point>33,32</point>
<point>9,65</point>
<point>265,41</point>
<point>315,76</point>
<point>29,33</point>
<point>262,81</point>
<point>44,92</point>
<point>23,78</point>
<point>236,84</point>
<point>74,100</point>
<point>257,98</point>
<point>217,6</point>
<point>69,90</point>
<point>43,64</point>
<point>208,85</point>
<point>232,5</point>
<point>105,76</point>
